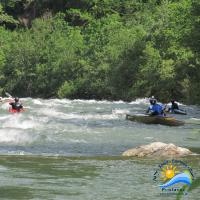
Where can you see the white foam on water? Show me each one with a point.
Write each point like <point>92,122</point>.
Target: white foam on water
<point>148,138</point>
<point>92,101</point>
<point>15,121</point>
<point>196,119</point>
<point>62,101</point>
<point>181,104</point>
<point>13,136</point>
<point>20,153</point>
<point>91,116</point>
<point>117,102</point>
<point>120,111</point>
<point>5,106</point>
<point>77,141</point>
<point>61,115</point>
<point>145,101</point>
<point>98,108</point>
<point>140,101</point>
<point>43,119</point>
<point>4,117</point>
<point>68,101</point>
<point>26,99</point>
<point>50,112</point>
<point>37,102</point>
<point>99,116</point>
<point>85,101</point>
<point>57,102</point>
<point>43,102</point>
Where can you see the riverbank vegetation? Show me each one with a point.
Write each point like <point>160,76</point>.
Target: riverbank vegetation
<point>101,49</point>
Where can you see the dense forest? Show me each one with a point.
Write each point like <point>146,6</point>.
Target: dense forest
<point>101,49</point>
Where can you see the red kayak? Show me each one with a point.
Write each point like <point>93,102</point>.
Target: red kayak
<point>15,110</point>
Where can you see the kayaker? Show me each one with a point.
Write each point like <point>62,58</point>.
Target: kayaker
<point>155,108</point>
<point>151,101</point>
<point>174,106</point>
<point>16,105</point>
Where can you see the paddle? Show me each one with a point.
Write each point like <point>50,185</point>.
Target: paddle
<point>8,95</point>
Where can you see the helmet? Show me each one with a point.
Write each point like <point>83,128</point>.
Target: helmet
<point>16,99</point>
<point>152,101</point>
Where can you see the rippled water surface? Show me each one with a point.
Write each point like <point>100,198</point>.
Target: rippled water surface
<point>70,149</point>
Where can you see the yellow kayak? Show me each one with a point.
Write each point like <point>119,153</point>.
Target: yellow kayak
<point>146,119</point>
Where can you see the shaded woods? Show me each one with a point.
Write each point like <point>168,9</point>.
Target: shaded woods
<point>102,49</point>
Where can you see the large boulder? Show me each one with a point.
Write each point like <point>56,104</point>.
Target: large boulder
<point>158,149</point>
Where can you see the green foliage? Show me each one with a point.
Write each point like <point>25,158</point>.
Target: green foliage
<point>4,18</point>
<point>78,18</point>
<point>66,90</point>
<point>42,58</point>
<point>114,49</point>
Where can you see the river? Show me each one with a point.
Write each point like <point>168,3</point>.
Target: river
<point>71,149</point>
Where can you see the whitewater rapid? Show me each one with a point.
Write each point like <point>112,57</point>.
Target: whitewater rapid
<point>86,127</point>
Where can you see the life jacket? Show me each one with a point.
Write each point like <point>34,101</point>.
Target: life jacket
<point>156,108</point>
<point>174,106</point>
<point>16,105</point>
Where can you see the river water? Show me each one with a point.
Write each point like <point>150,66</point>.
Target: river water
<point>71,149</point>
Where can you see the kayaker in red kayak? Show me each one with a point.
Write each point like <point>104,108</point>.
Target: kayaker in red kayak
<point>16,105</point>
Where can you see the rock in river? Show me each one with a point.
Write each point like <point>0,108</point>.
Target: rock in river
<point>158,149</point>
